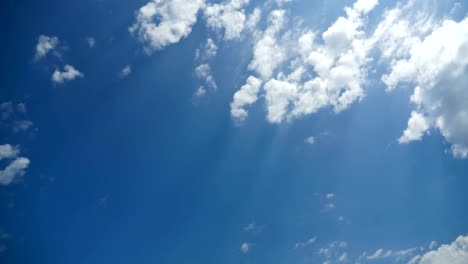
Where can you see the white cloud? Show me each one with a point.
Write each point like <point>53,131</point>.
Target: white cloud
<point>126,71</point>
<point>437,66</point>
<point>310,241</point>
<point>201,91</point>
<point>253,19</point>
<point>246,247</point>
<point>15,168</point>
<point>44,45</point>
<point>91,41</point>
<point>160,23</point>
<point>8,151</point>
<point>247,95</point>
<point>278,95</point>
<point>207,51</point>
<point>310,140</point>
<point>69,74</point>
<point>454,253</point>
<point>417,126</point>
<point>432,245</point>
<point>343,257</point>
<point>203,72</point>
<point>228,16</point>
<point>267,53</point>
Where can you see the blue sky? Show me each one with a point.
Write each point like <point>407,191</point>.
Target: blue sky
<point>235,131</point>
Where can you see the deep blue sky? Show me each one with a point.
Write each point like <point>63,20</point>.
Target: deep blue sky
<point>138,170</point>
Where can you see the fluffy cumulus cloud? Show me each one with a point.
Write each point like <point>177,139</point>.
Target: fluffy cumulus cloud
<point>436,65</point>
<point>247,95</point>
<point>69,74</point>
<point>163,22</point>
<point>454,253</point>
<point>44,45</point>
<point>330,73</point>
<point>228,17</point>
<point>17,167</point>
<point>267,53</point>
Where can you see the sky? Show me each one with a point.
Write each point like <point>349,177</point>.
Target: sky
<point>233,131</point>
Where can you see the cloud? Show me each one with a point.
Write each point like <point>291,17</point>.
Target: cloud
<point>334,252</point>
<point>91,41</point>
<point>310,241</point>
<point>15,168</point>
<point>437,66</point>
<point>8,151</point>
<point>44,45</point>
<point>22,126</point>
<point>247,95</point>
<point>454,253</point>
<point>207,51</point>
<point>331,73</point>
<point>417,126</point>
<point>310,140</point>
<point>278,95</point>
<point>6,109</point>
<point>201,91</point>
<point>160,23</point>
<point>228,16</point>
<point>69,74</point>
<point>246,247</point>
<point>267,53</point>
<point>14,117</point>
<point>126,71</point>
<point>203,72</point>
<point>252,227</point>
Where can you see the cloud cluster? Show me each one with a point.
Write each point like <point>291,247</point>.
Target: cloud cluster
<point>437,66</point>
<point>328,73</point>
<point>17,167</point>
<point>300,71</point>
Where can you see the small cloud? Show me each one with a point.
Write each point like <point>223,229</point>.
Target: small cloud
<point>69,74</point>
<point>14,169</point>
<point>310,140</point>
<point>6,109</point>
<point>21,108</point>
<point>126,71</point>
<point>203,72</point>
<point>8,151</point>
<point>253,227</point>
<point>22,126</point>
<point>44,45</point>
<point>201,91</point>
<point>91,41</point>
<point>310,241</point>
<point>246,247</point>
<point>432,245</point>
